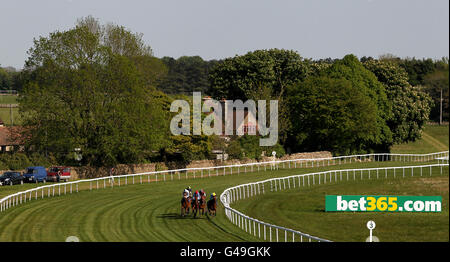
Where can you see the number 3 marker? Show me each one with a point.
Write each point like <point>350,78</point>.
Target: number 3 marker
<point>371,225</point>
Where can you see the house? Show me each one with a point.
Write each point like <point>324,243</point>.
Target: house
<point>248,125</point>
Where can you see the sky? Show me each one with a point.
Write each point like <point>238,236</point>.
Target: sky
<point>216,29</point>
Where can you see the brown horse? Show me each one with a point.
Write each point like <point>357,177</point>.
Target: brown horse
<point>212,206</point>
<point>195,204</point>
<point>199,204</point>
<point>185,205</point>
<point>202,204</point>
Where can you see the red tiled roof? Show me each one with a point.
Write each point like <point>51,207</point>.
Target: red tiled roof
<point>10,136</point>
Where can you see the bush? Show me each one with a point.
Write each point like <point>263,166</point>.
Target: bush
<point>3,166</point>
<point>39,160</point>
<point>234,150</point>
<point>248,146</point>
<point>15,161</point>
<point>277,148</point>
<point>18,161</point>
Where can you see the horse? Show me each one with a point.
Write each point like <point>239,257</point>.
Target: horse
<point>195,206</point>
<point>185,205</point>
<point>212,205</point>
<point>202,204</point>
<point>199,204</point>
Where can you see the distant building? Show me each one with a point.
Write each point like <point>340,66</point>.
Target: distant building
<point>247,126</point>
<point>220,155</point>
<point>9,138</point>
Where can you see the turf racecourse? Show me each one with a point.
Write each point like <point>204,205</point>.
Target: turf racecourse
<point>304,210</point>
<point>141,212</point>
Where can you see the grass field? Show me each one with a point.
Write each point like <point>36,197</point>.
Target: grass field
<point>5,116</point>
<point>150,212</point>
<point>5,113</point>
<point>304,210</point>
<point>435,138</point>
<point>147,212</point>
<point>8,99</point>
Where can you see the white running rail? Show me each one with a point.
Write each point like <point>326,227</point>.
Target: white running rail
<point>97,183</point>
<point>264,230</point>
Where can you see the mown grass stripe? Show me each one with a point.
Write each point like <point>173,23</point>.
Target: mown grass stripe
<point>146,212</point>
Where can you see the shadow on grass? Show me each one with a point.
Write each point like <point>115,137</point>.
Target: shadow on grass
<point>178,216</point>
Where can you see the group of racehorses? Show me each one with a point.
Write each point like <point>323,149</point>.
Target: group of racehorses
<point>198,205</point>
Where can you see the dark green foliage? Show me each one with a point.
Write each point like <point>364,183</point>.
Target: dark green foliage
<point>20,161</point>
<point>426,72</point>
<point>410,105</point>
<point>10,79</point>
<point>331,114</point>
<point>185,75</point>
<point>15,161</point>
<point>434,83</point>
<point>185,148</point>
<point>234,150</point>
<point>247,146</point>
<point>416,69</point>
<point>84,92</point>
<point>100,89</point>
<point>238,77</point>
<point>351,69</point>
<point>5,79</point>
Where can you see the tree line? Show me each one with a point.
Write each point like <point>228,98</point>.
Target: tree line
<point>187,74</point>
<point>99,89</point>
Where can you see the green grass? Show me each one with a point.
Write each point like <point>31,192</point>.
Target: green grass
<point>8,99</point>
<point>5,113</point>
<point>435,138</point>
<point>5,116</point>
<point>303,209</point>
<point>147,212</point>
<point>150,212</point>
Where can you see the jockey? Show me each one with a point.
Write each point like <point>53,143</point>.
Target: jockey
<point>196,195</point>
<point>187,192</point>
<point>213,195</point>
<point>202,192</point>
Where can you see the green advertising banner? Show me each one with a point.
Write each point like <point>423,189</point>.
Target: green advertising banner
<point>351,203</point>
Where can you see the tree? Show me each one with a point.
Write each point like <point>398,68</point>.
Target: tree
<point>351,69</point>
<point>117,38</point>
<point>410,105</point>
<point>234,150</point>
<point>437,86</point>
<point>186,74</point>
<point>330,114</point>
<point>8,78</point>
<point>186,148</point>
<point>260,75</point>
<point>424,72</point>
<point>82,93</point>
<point>416,69</point>
<point>152,69</point>
<point>238,77</point>
<point>247,146</point>
<point>4,80</point>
